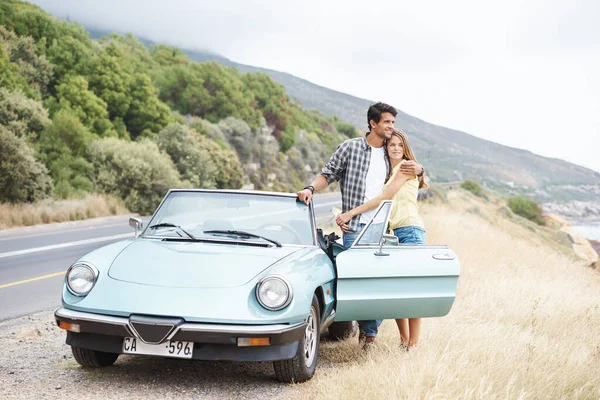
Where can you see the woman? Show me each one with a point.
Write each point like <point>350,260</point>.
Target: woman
<point>404,219</point>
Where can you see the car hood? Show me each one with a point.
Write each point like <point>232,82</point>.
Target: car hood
<point>193,265</point>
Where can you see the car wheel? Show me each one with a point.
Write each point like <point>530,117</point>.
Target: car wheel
<point>302,367</point>
<point>343,330</point>
<point>93,358</point>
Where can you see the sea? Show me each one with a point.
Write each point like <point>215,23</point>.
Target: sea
<point>589,230</point>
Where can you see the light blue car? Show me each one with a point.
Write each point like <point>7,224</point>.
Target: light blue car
<point>244,275</point>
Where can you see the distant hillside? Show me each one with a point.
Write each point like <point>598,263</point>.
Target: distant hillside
<point>448,154</point>
<point>114,116</point>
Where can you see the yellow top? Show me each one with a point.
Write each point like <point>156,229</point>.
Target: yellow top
<point>405,211</point>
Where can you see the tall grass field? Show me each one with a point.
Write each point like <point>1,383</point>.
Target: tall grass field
<point>525,323</point>
<point>47,211</point>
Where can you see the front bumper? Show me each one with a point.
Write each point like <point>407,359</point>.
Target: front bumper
<point>211,341</point>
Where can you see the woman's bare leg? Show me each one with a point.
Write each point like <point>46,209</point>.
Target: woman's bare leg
<point>414,325</point>
<point>402,324</point>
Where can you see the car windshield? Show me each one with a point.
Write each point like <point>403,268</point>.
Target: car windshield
<point>242,217</point>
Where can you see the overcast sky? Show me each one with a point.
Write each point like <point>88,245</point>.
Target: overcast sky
<point>521,73</point>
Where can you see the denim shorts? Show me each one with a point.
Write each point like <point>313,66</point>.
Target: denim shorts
<point>350,237</point>
<point>411,235</point>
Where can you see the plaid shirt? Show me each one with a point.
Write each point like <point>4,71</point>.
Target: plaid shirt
<point>349,164</point>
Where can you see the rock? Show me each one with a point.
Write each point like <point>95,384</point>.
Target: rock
<point>578,210</point>
<point>596,246</point>
<point>58,387</point>
<point>29,333</point>
<point>249,186</point>
<point>251,168</point>
<point>581,246</point>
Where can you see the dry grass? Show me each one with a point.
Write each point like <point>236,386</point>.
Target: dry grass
<point>525,324</point>
<point>93,205</point>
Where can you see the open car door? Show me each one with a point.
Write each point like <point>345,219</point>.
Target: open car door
<point>377,278</point>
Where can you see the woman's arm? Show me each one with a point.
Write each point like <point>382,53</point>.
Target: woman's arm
<point>388,194</point>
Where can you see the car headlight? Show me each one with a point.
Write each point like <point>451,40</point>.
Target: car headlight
<point>81,278</point>
<point>274,293</point>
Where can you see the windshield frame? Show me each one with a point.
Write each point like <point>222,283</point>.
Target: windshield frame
<point>235,192</point>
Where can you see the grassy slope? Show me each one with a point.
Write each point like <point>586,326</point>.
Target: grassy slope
<point>50,210</point>
<point>517,329</point>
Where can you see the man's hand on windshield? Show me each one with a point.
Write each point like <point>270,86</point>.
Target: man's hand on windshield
<point>305,195</point>
<point>410,167</point>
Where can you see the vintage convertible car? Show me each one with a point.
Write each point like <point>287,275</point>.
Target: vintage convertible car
<point>244,275</point>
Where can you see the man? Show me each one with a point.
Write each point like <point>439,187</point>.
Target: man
<point>361,165</point>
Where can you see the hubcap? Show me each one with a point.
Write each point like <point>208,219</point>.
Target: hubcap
<point>310,337</point>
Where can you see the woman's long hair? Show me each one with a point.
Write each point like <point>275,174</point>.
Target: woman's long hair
<point>409,154</point>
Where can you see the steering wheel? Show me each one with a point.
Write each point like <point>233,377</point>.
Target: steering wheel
<point>288,228</point>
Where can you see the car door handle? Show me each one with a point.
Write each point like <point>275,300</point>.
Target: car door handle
<point>444,256</point>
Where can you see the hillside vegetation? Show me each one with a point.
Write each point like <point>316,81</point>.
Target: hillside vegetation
<point>516,329</point>
<point>448,154</point>
<point>113,116</point>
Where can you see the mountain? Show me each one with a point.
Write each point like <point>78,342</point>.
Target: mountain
<point>447,154</point>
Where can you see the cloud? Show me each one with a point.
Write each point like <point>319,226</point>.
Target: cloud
<point>518,73</point>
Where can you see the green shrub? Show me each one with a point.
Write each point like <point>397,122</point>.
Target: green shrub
<point>472,187</point>
<point>22,116</point>
<point>434,193</point>
<point>187,149</point>
<point>137,172</point>
<point>527,209</point>
<point>62,146</point>
<point>346,129</point>
<point>22,177</point>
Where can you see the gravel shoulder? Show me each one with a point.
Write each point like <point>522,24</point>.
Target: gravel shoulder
<point>36,363</point>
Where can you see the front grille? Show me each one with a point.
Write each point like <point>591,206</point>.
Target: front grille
<point>152,329</point>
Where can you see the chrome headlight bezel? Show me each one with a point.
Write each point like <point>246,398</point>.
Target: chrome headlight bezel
<point>93,270</point>
<point>285,303</point>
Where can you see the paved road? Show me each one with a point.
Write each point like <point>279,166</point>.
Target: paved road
<point>33,260</point>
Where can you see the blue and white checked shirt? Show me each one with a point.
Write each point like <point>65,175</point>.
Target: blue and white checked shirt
<point>349,164</point>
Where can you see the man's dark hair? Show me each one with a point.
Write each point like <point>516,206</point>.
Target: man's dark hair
<point>375,111</point>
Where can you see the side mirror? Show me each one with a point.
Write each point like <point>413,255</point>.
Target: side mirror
<point>391,240</point>
<point>386,239</point>
<point>136,224</point>
<point>380,251</point>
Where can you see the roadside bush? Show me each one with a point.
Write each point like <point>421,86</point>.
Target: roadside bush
<point>230,174</point>
<point>23,53</point>
<point>208,129</point>
<point>62,146</point>
<point>238,135</point>
<point>193,161</point>
<point>73,94</point>
<point>346,129</point>
<point>22,177</point>
<point>20,115</point>
<point>527,209</point>
<point>137,172</point>
<point>472,187</point>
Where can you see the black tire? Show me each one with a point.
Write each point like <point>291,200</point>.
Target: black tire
<point>296,370</point>
<point>343,330</point>
<point>93,358</point>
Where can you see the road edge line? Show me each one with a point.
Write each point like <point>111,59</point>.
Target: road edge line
<point>64,245</point>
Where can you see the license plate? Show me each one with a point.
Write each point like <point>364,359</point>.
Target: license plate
<point>171,348</point>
